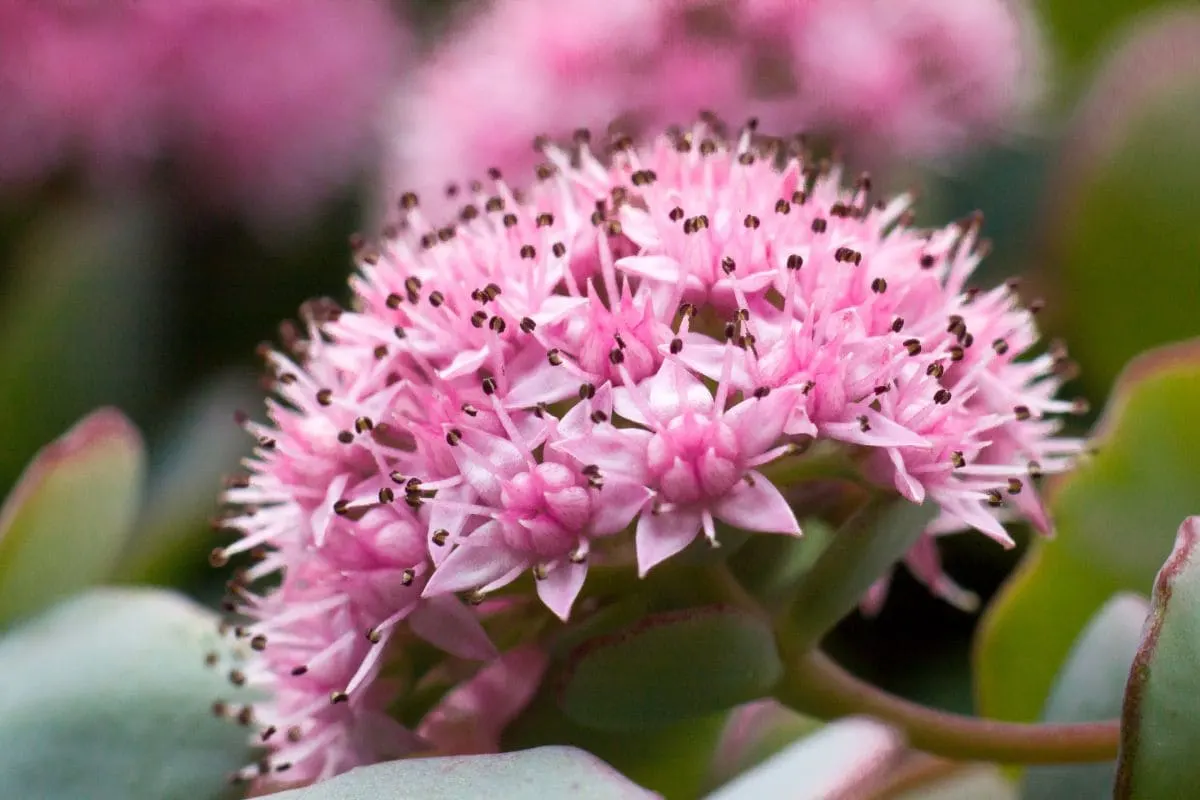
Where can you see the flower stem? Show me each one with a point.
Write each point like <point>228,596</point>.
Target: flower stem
<point>816,685</point>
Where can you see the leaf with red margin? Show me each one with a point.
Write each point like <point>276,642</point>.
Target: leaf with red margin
<point>1116,517</point>
<point>1160,721</point>
<point>65,523</point>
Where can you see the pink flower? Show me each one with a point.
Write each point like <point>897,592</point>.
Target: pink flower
<point>621,351</point>
<point>262,107</point>
<point>912,77</point>
<point>696,456</point>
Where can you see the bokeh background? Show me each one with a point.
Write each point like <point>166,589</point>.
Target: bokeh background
<point>178,176</point>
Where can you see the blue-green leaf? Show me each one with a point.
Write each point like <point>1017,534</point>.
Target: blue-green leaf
<point>539,774</point>
<point>1090,689</point>
<point>107,697</point>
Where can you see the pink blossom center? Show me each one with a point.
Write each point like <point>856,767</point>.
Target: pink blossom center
<point>693,458</point>
<point>545,510</point>
<point>626,327</point>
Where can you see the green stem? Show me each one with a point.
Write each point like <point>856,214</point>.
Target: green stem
<point>816,685</point>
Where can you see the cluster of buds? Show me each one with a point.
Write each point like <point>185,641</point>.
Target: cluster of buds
<point>621,353</point>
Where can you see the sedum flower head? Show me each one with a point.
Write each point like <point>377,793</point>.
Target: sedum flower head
<point>621,355</point>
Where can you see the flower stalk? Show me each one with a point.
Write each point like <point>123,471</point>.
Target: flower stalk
<point>815,684</point>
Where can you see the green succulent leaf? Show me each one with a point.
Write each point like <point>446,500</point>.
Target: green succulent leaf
<point>1090,688</point>
<point>1120,228</point>
<point>1159,734</point>
<point>670,667</point>
<point>181,491</point>
<point>81,321</point>
<point>537,774</point>
<point>839,760</point>
<point>1116,517</point>
<point>860,553</point>
<point>63,527</point>
<point>108,698</point>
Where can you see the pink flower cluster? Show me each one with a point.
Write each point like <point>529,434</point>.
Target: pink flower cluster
<point>263,105</point>
<point>631,346</point>
<point>913,77</point>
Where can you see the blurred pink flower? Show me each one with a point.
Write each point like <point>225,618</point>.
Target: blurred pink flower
<point>916,78</point>
<point>263,106</point>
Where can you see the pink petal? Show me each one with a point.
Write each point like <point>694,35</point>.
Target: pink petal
<point>470,719</point>
<point>925,563</point>
<point>872,602</point>
<point>660,536</point>
<point>759,422</point>
<point>880,432</point>
<point>656,268</point>
<point>465,363</point>
<point>556,308</point>
<point>757,507</point>
<point>537,381</point>
<point>324,514</point>
<point>561,586</point>
<point>972,512</point>
<point>471,566</point>
<point>666,393</point>
<point>578,421</point>
<point>617,504</point>
<point>485,461</point>
<point>706,356</point>
<point>446,517</point>
<point>908,486</point>
<point>674,388</point>
<point>448,624</point>
<point>622,450</point>
<point>799,424</point>
<point>637,225</point>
